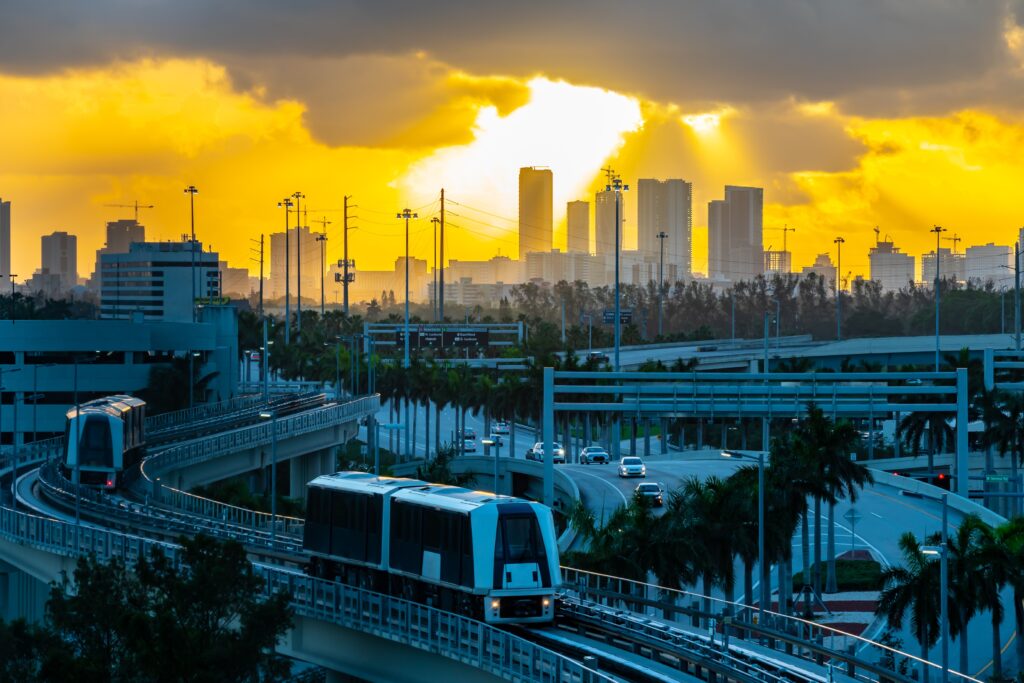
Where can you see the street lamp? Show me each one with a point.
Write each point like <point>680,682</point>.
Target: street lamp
<point>839,241</point>
<point>943,552</point>
<point>765,591</point>
<point>299,196</point>
<point>322,239</point>
<point>618,188</point>
<point>406,214</point>
<point>938,230</point>
<point>272,416</point>
<point>192,191</point>
<point>287,204</point>
<point>487,443</point>
<point>661,279</point>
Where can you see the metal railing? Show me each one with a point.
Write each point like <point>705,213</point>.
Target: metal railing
<point>190,503</point>
<point>188,455</point>
<point>455,637</point>
<point>202,411</point>
<point>792,634</point>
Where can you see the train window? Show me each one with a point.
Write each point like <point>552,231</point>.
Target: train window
<point>316,533</point>
<point>432,522</point>
<point>466,555</point>
<point>520,539</point>
<point>406,545</point>
<point>94,446</point>
<point>373,528</point>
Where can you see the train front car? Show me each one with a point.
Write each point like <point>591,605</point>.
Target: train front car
<point>489,557</point>
<point>103,438</point>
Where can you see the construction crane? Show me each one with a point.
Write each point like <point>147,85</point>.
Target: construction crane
<point>878,231</point>
<point>135,206</point>
<point>785,229</point>
<point>955,239</point>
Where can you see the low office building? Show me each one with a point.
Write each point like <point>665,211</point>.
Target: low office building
<point>38,363</point>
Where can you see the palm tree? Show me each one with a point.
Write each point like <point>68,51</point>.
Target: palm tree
<point>826,446</point>
<point>914,587</point>
<point>966,577</point>
<point>994,563</point>
<point>1007,431</point>
<point>1011,536</point>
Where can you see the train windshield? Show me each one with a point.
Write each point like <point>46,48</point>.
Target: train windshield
<point>94,446</point>
<point>519,540</point>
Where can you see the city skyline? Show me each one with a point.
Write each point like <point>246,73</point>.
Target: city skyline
<point>840,145</point>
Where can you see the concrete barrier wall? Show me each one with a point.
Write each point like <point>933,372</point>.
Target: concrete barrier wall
<point>959,503</point>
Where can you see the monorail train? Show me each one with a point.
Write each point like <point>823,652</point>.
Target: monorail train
<point>488,557</point>
<point>103,438</point>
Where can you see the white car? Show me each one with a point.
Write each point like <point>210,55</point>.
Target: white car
<point>537,453</point>
<point>497,439</point>
<point>500,428</point>
<point>632,466</point>
<point>594,454</point>
<point>469,445</point>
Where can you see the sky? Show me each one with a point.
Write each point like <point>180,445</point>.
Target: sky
<point>900,114</point>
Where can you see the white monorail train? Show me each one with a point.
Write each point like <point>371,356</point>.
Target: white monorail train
<point>103,438</point>
<point>471,552</point>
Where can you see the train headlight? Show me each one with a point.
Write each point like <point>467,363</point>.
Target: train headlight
<point>495,604</point>
<point>546,602</point>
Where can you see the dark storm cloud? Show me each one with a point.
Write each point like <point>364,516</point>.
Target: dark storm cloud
<point>729,49</point>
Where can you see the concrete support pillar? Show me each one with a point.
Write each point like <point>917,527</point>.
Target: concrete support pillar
<point>21,596</point>
<point>305,468</point>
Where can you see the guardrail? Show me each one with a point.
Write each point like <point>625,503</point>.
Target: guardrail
<point>202,411</point>
<point>455,637</point>
<point>231,514</point>
<point>794,635</point>
<point>188,455</point>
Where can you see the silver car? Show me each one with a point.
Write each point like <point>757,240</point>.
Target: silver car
<point>594,454</point>
<point>537,452</point>
<point>632,466</point>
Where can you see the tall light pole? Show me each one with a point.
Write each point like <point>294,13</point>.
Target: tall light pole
<point>765,589</point>
<point>322,239</point>
<point>435,220</point>
<point>192,355</point>
<point>272,416</point>
<point>298,260</point>
<point>406,214</point>
<point>287,204</point>
<point>661,279</point>
<point>192,191</point>
<point>618,188</point>
<point>943,552</point>
<point>938,230</point>
<point>839,241</point>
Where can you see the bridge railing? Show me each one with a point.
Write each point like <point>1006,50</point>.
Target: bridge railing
<point>448,635</point>
<point>202,411</point>
<point>188,455</point>
<point>802,637</point>
<point>466,640</point>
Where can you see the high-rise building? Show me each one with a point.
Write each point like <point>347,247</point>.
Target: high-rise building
<point>60,258</point>
<point>120,236</point>
<point>300,240</point>
<point>5,242</point>
<point>577,227</point>
<point>893,269</point>
<point>665,206</point>
<point>155,279</point>
<point>535,210</point>
<point>735,246</point>
<point>234,282</point>
<point>951,266</point>
<point>604,223</point>
<point>823,268</point>
<point>989,263</point>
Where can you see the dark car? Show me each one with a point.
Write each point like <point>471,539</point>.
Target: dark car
<point>652,492</point>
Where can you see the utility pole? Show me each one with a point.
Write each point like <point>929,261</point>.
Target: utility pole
<point>346,263</point>
<point>440,296</point>
<point>618,188</point>
<point>435,220</point>
<point>322,239</point>
<point>406,214</point>
<point>1016,295</point>
<point>661,279</point>
<point>299,196</point>
<point>260,260</point>
<point>938,280</point>
<point>839,241</point>
<point>287,204</point>
<point>191,191</point>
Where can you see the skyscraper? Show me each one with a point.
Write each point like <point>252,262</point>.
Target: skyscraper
<point>5,242</point>
<point>735,247</point>
<point>298,238</point>
<point>604,223</point>
<point>120,236</point>
<point>535,210</point>
<point>665,206</point>
<point>578,227</point>
<point>890,267</point>
<point>60,257</point>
